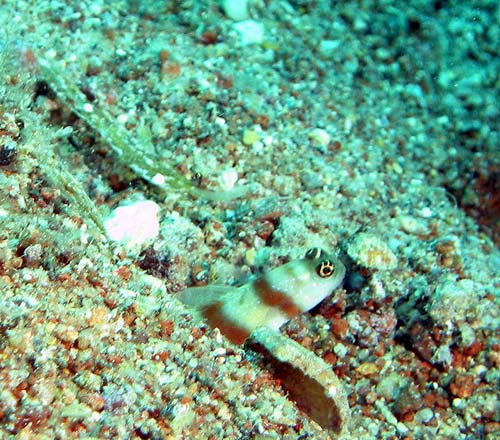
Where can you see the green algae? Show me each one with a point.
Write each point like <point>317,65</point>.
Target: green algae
<point>134,152</point>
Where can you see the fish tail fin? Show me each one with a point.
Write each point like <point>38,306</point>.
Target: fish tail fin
<point>209,302</point>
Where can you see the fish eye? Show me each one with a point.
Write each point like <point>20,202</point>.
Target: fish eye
<point>313,253</point>
<point>325,269</point>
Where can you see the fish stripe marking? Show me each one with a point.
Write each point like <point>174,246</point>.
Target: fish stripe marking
<point>213,314</point>
<point>275,298</point>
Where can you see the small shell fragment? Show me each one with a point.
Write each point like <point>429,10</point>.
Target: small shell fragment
<point>412,225</point>
<point>371,252</point>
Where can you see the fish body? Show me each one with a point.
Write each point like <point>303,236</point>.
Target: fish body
<point>271,300</point>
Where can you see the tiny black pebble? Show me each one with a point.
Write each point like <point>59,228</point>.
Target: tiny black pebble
<point>8,153</point>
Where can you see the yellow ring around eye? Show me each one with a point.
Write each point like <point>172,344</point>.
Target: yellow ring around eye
<point>325,269</point>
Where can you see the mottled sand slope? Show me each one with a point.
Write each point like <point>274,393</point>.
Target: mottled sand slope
<point>365,126</point>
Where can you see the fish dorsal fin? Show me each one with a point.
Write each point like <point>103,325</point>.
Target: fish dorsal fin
<point>205,296</point>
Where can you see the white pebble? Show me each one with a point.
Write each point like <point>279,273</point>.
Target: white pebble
<point>320,136</point>
<point>251,32</point>
<point>236,10</point>
<point>134,224</point>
